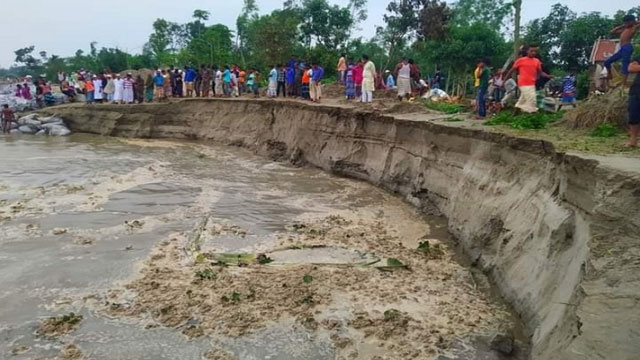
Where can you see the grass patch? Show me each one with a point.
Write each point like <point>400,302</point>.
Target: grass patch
<point>454,119</point>
<point>444,107</point>
<point>206,274</point>
<point>264,259</point>
<point>605,131</point>
<point>307,279</point>
<point>535,121</point>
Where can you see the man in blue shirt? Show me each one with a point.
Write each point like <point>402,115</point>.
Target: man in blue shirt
<point>189,78</point>
<point>290,79</point>
<point>158,81</point>
<point>226,81</point>
<point>315,87</point>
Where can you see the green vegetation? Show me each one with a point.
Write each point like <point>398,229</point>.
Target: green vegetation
<point>435,33</point>
<point>391,314</point>
<point>395,263</point>
<point>535,121</point>
<point>444,107</point>
<point>605,131</point>
<point>307,279</point>
<point>307,300</point>
<point>59,325</point>
<point>264,259</point>
<point>71,319</point>
<point>454,119</point>
<point>234,298</point>
<point>205,274</point>
<point>233,259</point>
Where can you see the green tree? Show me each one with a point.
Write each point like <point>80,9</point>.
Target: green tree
<point>459,54</point>
<point>576,42</point>
<point>196,28</point>
<point>490,12</point>
<point>433,20</point>
<point>273,37</point>
<point>546,32</point>
<point>112,59</point>
<point>401,22</point>
<point>25,57</point>
<point>324,24</point>
<point>249,13</point>
<point>214,46</point>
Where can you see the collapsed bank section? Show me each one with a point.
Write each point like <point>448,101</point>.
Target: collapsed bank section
<point>557,233</point>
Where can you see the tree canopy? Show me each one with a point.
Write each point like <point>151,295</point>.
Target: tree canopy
<point>435,33</point>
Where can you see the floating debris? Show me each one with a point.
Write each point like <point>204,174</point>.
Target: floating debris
<point>59,325</point>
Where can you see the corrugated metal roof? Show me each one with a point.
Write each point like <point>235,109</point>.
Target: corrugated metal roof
<point>603,49</point>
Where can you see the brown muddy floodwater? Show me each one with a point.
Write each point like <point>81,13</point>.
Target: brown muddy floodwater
<point>181,250</point>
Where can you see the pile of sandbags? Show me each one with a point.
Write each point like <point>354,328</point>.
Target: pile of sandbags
<point>8,96</point>
<point>38,125</point>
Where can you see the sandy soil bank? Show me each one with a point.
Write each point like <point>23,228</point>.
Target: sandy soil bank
<point>558,233</point>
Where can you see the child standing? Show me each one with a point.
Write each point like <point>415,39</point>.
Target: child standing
<point>350,83</point>
<point>7,118</point>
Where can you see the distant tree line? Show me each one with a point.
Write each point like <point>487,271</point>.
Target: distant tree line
<point>436,35</point>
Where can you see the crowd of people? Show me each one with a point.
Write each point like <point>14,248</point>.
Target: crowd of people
<point>40,90</point>
<point>496,89</point>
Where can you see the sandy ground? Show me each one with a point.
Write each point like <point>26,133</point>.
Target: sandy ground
<point>417,311</point>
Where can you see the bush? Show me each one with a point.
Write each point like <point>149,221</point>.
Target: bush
<point>535,121</point>
<point>444,107</point>
<point>605,131</point>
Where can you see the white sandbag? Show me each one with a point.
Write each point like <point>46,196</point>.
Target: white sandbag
<point>15,132</point>
<point>42,132</point>
<point>59,130</point>
<point>48,126</point>
<point>26,129</point>
<point>51,119</point>
<point>30,117</point>
<point>33,123</point>
<point>13,126</point>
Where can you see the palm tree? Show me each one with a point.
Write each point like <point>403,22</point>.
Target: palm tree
<point>202,15</point>
<point>517,5</point>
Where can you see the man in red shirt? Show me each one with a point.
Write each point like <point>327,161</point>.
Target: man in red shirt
<point>529,68</point>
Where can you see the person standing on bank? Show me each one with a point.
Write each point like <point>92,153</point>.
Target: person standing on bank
<point>316,78</point>
<point>529,68</point>
<point>403,74</point>
<point>109,89</point>
<point>342,68</point>
<point>119,89</point>
<point>282,81</point>
<point>634,104</point>
<point>368,79</point>
<point>128,94</point>
<point>481,97</point>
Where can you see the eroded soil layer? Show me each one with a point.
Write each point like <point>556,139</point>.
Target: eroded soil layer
<point>120,249</point>
<point>558,233</point>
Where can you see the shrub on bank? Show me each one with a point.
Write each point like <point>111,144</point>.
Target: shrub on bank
<point>534,121</point>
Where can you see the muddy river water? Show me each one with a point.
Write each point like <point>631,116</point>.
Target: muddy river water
<point>182,250</point>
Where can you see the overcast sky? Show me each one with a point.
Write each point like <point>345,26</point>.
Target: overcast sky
<point>63,26</point>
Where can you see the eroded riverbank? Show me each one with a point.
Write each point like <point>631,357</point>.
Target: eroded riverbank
<point>557,232</point>
<point>133,238</point>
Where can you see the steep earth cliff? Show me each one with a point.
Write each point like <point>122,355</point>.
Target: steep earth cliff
<point>558,233</point>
